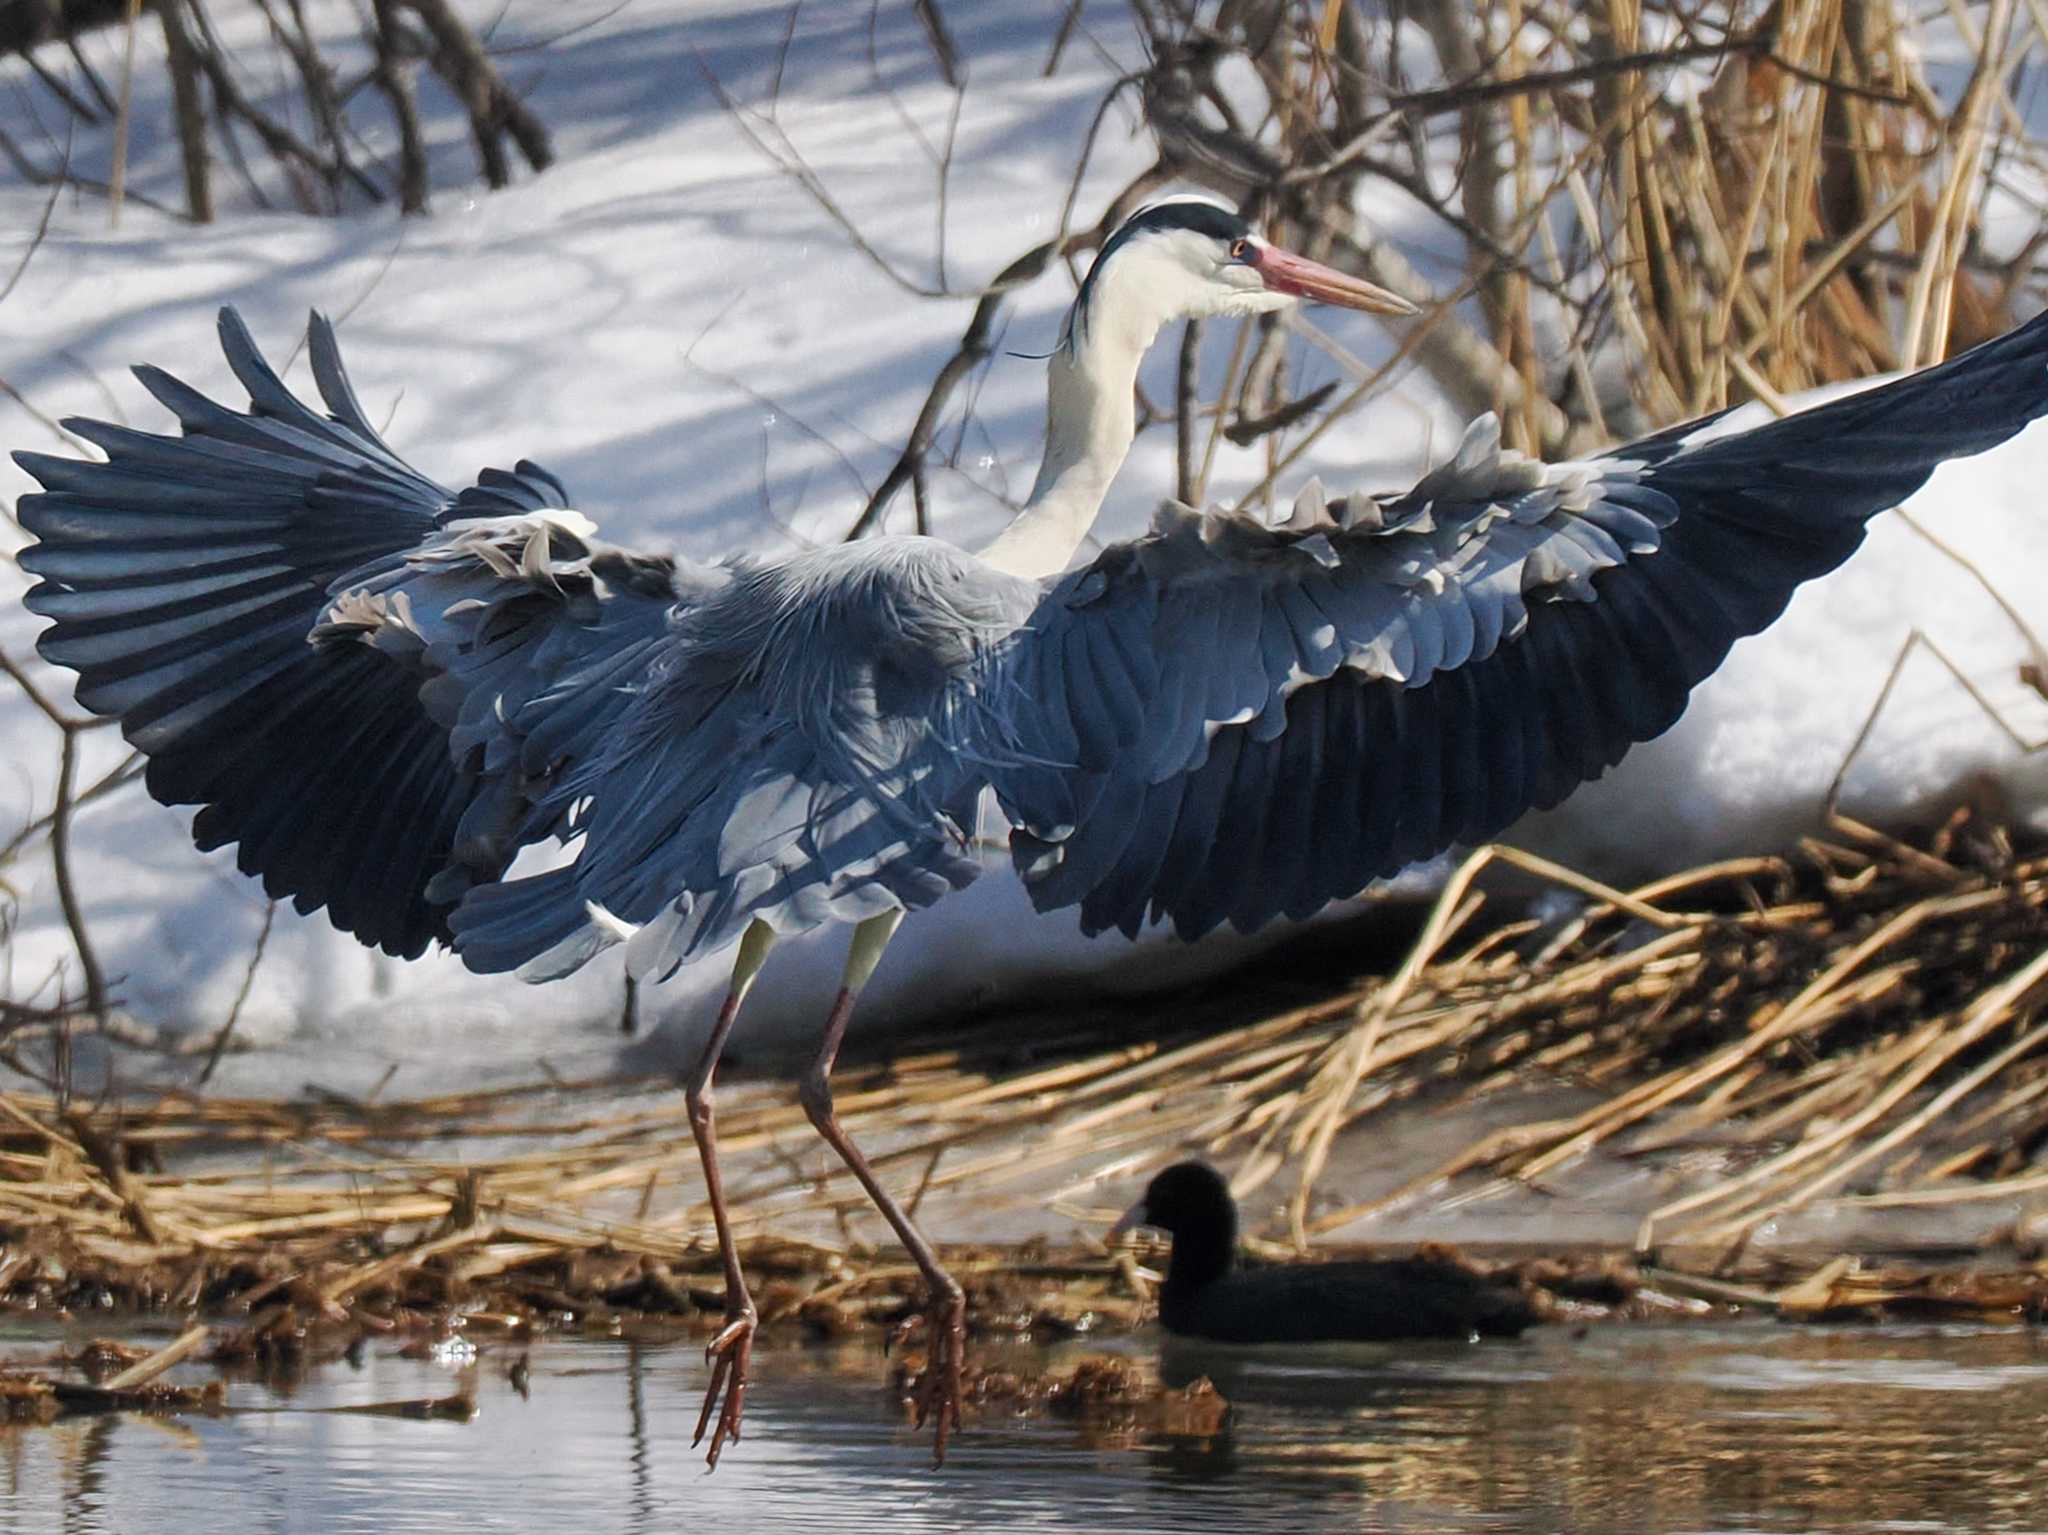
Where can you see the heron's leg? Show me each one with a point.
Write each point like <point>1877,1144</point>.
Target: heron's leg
<point>730,1350</point>
<point>939,1398</point>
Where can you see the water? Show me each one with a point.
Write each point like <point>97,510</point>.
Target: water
<point>1637,1429</point>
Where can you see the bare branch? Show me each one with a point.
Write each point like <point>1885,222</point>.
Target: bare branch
<point>35,175</point>
<point>227,1030</point>
<point>394,79</point>
<point>494,110</point>
<point>1187,402</point>
<point>774,145</point>
<point>42,227</point>
<point>127,771</point>
<point>67,899</point>
<point>976,343</point>
<point>183,61</point>
<point>1247,430</point>
<point>940,37</point>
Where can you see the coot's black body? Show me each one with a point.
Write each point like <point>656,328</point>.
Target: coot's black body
<point>1208,1295</point>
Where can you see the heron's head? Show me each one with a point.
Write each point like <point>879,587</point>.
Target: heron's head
<point>1190,257</point>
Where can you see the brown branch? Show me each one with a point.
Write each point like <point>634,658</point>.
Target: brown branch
<point>109,1157</point>
<point>35,175</point>
<point>1187,401</point>
<point>76,105</point>
<point>316,84</point>
<point>1247,430</point>
<point>782,154</point>
<point>1060,38</point>
<point>494,110</point>
<point>42,229</point>
<point>227,1030</point>
<point>91,75</point>
<point>117,175</point>
<point>286,147</point>
<point>940,37</point>
<point>10,668</point>
<point>395,80</point>
<point>782,411</point>
<point>1479,90</point>
<point>183,62</point>
<point>126,772</point>
<point>69,728</point>
<point>74,914</point>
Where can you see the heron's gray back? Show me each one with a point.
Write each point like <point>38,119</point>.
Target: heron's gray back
<point>792,754</point>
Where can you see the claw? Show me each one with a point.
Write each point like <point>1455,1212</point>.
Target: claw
<point>940,1388</point>
<point>728,1353</point>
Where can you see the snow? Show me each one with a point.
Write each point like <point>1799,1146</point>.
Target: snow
<point>684,335</point>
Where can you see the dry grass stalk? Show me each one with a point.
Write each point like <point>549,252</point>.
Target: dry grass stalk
<point>183,1347</point>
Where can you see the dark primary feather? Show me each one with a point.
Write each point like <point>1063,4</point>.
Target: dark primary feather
<point>209,590</point>
<point>525,639</point>
<point>183,576</point>
<point>1322,703</point>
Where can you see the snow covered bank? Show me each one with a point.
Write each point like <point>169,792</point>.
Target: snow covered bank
<point>689,341</point>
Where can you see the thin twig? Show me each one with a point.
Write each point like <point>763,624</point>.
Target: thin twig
<point>227,1029</point>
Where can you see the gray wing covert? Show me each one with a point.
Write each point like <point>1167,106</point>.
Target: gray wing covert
<point>1230,722</point>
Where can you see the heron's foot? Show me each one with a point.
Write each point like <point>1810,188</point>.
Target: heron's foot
<point>939,1388</point>
<point>728,1353</point>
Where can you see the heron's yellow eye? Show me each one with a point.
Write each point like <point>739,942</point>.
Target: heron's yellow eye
<point>1240,250</point>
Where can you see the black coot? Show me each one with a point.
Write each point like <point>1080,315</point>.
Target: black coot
<point>1207,1295</point>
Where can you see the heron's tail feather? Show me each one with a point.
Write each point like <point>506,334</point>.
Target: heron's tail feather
<point>538,925</point>
<point>184,575</point>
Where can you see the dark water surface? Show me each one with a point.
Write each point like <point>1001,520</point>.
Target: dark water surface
<point>1639,1429</point>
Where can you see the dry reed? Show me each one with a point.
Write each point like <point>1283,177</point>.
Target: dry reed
<point>1862,1017</point>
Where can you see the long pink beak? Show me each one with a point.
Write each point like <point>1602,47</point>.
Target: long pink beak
<point>1285,272</point>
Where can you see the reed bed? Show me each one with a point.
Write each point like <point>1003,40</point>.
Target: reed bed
<point>1857,1020</point>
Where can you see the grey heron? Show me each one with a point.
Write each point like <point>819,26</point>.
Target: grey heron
<point>382,690</point>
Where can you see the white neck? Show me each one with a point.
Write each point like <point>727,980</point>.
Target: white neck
<point>1090,420</point>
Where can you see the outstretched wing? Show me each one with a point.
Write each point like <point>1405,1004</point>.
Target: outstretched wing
<point>206,588</point>
<point>1224,721</point>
